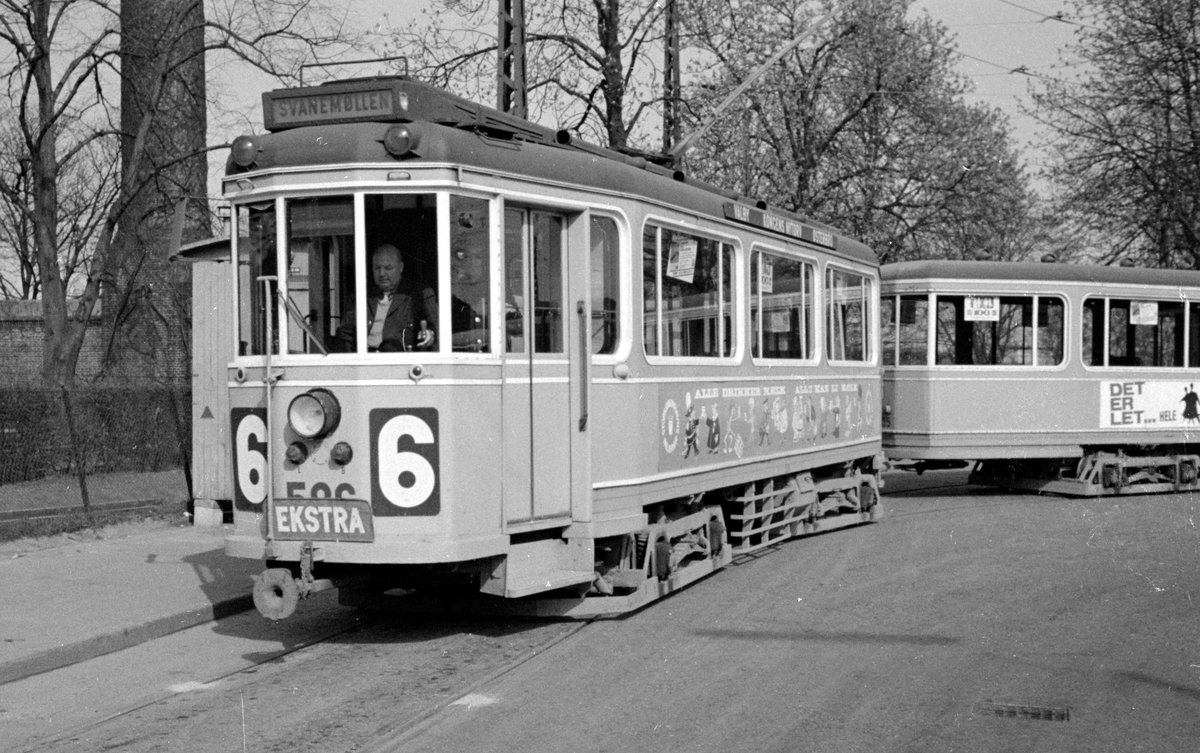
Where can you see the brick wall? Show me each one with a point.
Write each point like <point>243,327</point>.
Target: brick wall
<point>21,339</point>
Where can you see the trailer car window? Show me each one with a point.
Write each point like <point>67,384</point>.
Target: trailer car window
<point>999,330</point>
<point>887,325</point>
<point>1134,333</point>
<point>914,329</point>
<point>1194,335</point>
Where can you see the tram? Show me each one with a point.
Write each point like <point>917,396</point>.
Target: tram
<point>1078,380</point>
<point>621,378</point>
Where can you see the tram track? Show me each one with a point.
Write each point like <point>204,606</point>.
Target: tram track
<point>361,620</point>
<point>366,666</point>
<point>393,739</point>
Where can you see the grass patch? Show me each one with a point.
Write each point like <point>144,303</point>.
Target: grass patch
<point>174,512</point>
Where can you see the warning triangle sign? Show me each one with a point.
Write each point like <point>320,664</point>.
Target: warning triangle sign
<point>207,413</point>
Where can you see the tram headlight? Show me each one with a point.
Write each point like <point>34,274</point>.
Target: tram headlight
<point>401,140</point>
<point>244,151</point>
<point>314,414</point>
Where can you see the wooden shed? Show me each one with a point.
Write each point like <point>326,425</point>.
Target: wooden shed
<point>212,321</point>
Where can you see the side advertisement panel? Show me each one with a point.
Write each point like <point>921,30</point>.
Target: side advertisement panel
<point>709,423</point>
<point>1149,404</point>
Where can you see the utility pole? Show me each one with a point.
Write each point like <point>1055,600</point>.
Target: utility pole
<point>671,130</point>
<point>510,68</point>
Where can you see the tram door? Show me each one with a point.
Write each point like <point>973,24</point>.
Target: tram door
<point>537,385</point>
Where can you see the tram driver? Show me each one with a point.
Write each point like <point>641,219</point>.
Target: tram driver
<point>401,315</point>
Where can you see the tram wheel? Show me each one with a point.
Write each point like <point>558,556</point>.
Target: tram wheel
<point>662,559</point>
<point>1112,477</point>
<point>716,534</point>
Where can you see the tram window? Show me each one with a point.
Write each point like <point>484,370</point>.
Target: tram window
<point>548,334</point>
<point>470,274</point>
<point>606,285</point>
<point>407,223</point>
<point>1092,346</point>
<point>650,290</point>
<point>1194,335</point>
<point>256,257</point>
<point>913,330</point>
<point>688,281</point>
<point>320,257</point>
<point>534,307</point>
<point>1051,331</point>
<point>1139,333</point>
<point>781,307</point>
<point>847,315</point>
<point>999,330</point>
<point>514,281</point>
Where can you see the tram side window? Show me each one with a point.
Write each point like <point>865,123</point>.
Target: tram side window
<point>606,286</point>
<point>1134,333</point>
<point>470,275</point>
<point>847,315</point>
<point>999,330</point>
<point>781,306</point>
<point>256,257</point>
<point>687,307</point>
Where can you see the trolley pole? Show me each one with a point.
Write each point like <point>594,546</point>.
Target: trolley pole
<point>510,68</point>
<point>672,88</point>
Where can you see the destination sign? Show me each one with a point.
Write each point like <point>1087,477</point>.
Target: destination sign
<point>788,226</point>
<point>311,107</point>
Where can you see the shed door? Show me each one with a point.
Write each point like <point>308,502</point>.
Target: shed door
<point>537,384</point>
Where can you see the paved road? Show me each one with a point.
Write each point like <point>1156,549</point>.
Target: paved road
<point>909,635</point>
<point>918,633</point>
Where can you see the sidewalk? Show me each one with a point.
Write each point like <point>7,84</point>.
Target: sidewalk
<point>67,598</point>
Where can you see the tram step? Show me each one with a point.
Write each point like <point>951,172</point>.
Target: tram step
<point>540,566</point>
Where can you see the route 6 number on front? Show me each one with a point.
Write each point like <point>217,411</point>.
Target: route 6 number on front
<point>249,457</point>
<point>404,453</point>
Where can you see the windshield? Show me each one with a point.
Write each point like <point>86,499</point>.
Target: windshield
<point>381,288</point>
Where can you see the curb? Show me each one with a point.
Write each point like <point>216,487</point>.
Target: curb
<point>89,648</point>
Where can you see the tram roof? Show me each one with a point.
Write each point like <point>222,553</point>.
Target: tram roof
<point>949,269</point>
<point>454,130</point>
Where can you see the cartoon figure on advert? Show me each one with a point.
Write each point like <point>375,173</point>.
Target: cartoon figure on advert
<point>764,428</point>
<point>1190,402</point>
<point>690,432</point>
<point>713,440</point>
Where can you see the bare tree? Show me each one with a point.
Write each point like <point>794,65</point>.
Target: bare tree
<point>63,63</point>
<point>864,127</point>
<point>594,67</point>
<point>88,183</point>
<point>61,71</point>
<point>1126,135</point>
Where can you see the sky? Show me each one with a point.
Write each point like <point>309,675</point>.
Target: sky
<point>1005,45</point>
